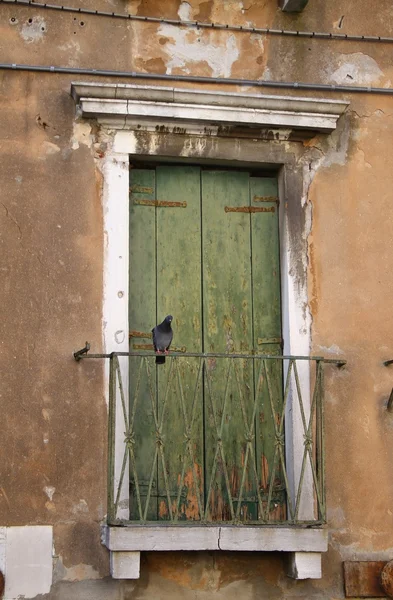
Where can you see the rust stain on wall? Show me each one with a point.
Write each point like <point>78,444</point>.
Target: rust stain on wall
<point>314,279</point>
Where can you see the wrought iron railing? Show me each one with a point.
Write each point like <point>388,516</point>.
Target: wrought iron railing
<point>213,438</point>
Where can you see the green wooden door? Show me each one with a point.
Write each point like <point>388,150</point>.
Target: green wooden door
<point>204,248</point>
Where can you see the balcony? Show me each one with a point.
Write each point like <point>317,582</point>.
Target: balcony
<point>215,451</point>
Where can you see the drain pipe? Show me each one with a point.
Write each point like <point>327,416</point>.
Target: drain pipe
<point>317,87</point>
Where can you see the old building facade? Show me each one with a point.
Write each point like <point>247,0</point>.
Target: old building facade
<point>228,163</point>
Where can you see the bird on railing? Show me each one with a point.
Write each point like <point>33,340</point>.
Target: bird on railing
<point>162,339</point>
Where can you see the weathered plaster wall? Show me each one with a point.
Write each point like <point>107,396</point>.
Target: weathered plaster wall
<point>54,436</point>
<point>349,284</point>
<point>51,248</point>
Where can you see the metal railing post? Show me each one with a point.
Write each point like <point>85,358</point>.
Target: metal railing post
<point>111,440</point>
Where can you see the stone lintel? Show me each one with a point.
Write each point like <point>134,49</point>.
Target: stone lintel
<point>128,106</point>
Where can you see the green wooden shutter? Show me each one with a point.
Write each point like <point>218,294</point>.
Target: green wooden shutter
<point>204,247</point>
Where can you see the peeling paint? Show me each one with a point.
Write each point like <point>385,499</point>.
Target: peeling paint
<point>49,491</point>
<point>185,12</point>
<point>47,149</point>
<point>33,30</point>
<point>81,507</point>
<point>333,349</point>
<point>81,135</point>
<point>186,47</point>
<point>81,572</point>
<point>356,68</point>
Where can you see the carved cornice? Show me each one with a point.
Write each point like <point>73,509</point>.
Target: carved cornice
<point>173,110</point>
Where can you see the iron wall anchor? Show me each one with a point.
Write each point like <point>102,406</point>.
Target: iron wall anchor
<point>390,401</point>
<point>78,355</point>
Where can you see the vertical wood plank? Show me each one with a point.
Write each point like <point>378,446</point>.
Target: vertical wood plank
<point>227,309</point>
<point>142,317</point>
<point>267,325</point>
<point>179,294</point>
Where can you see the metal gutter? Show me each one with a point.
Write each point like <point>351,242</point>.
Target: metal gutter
<point>202,25</point>
<point>319,87</point>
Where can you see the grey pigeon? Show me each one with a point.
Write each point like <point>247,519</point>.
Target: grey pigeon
<point>162,338</point>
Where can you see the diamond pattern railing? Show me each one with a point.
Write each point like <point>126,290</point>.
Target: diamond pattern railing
<point>195,439</point>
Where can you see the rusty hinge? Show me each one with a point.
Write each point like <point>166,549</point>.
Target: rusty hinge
<point>139,334</point>
<point>266,199</point>
<point>139,189</point>
<point>142,346</point>
<point>150,347</point>
<point>249,209</point>
<point>162,203</point>
<point>273,340</point>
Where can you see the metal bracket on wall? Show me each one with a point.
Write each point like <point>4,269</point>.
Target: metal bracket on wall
<point>78,355</point>
<point>292,5</point>
<point>390,401</point>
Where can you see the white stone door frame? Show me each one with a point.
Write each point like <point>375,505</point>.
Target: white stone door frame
<point>165,124</point>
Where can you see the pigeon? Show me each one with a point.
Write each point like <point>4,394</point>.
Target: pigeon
<point>162,338</point>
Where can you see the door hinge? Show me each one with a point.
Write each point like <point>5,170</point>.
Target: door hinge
<point>139,189</point>
<point>150,347</point>
<point>250,209</point>
<point>160,203</point>
<point>139,334</point>
<point>272,340</point>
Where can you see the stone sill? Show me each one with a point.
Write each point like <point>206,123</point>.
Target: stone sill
<point>303,545</point>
